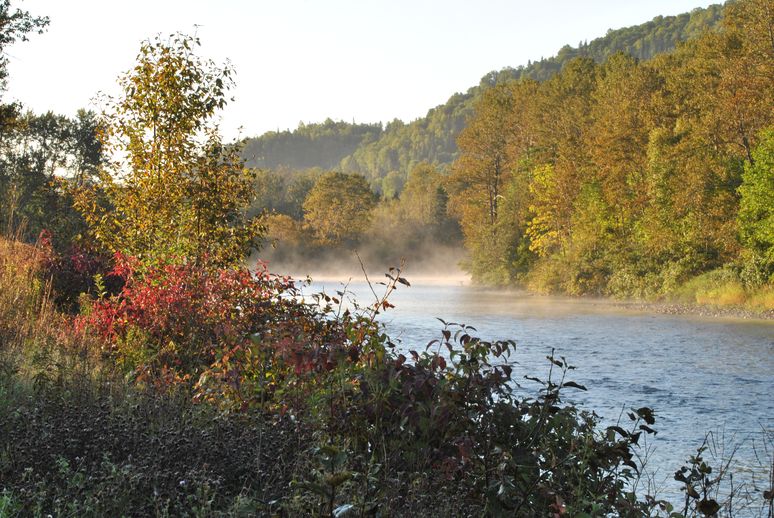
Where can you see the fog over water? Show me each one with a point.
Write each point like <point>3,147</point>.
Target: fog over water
<point>699,374</point>
<point>431,263</point>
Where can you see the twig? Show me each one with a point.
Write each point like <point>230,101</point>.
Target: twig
<point>368,281</point>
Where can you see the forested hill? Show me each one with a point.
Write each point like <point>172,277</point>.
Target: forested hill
<point>661,34</point>
<point>375,152</point>
<point>310,145</point>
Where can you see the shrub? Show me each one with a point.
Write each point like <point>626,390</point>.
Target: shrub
<point>233,334</point>
<point>762,299</point>
<point>456,416</point>
<point>74,271</point>
<point>720,287</point>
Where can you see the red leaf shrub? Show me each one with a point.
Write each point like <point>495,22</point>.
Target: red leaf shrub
<point>73,271</point>
<point>218,328</point>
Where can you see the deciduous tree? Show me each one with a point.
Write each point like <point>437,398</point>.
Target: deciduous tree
<point>338,208</point>
<point>756,209</point>
<point>173,190</point>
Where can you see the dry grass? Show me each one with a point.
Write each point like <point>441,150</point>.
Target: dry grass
<point>25,305</point>
<point>722,288</point>
<point>727,294</point>
<point>762,300</point>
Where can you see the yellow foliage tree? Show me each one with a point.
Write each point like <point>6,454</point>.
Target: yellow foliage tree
<point>172,190</point>
<point>338,208</point>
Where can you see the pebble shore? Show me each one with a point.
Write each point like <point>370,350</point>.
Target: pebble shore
<point>667,308</point>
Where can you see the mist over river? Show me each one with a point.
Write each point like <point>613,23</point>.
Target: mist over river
<point>699,374</point>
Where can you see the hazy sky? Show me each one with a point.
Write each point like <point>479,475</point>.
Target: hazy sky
<point>305,60</point>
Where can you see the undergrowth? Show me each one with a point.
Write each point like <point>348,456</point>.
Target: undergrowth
<point>186,391</point>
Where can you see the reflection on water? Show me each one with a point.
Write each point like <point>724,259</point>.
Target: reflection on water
<point>699,374</point>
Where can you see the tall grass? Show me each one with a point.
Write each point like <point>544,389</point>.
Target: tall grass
<point>26,310</point>
<point>724,288</point>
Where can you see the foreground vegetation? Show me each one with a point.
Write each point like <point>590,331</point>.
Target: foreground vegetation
<point>178,396</point>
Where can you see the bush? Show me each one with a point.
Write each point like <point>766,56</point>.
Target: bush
<point>74,271</point>
<point>234,335</point>
<point>241,339</point>
<point>762,299</point>
<point>720,287</point>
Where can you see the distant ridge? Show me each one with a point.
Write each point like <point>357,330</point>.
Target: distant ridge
<point>375,151</point>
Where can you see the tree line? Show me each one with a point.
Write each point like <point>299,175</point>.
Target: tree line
<point>40,153</point>
<point>627,177</point>
<point>624,178</point>
<point>316,212</point>
<point>396,147</point>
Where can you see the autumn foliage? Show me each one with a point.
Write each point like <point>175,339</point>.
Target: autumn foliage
<point>173,317</point>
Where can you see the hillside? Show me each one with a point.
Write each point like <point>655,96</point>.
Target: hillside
<point>310,145</point>
<point>374,151</point>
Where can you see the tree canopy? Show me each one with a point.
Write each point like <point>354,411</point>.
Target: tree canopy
<point>623,177</point>
<point>376,150</point>
<point>173,190</point>
<point>338,208</point>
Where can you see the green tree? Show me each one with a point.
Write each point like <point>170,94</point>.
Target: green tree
<point>269,188</point>
<point>416,225</point>
<point>482,167</point>
<point>298,189</point>
<point>392,184</point>
<point>544,226</point>
<point>173,190</point>
<point>338,208</point>
<point>618,138</point>
<point>423,200</point>
<point>39,156</point>
<point>756,209</point>
<point>15,25</point>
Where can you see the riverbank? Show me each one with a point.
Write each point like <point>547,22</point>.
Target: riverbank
<point>600,303</point>
<point>674,308</point>
<point>349,272</point>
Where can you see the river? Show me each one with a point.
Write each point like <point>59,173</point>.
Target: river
<point>699,374</point>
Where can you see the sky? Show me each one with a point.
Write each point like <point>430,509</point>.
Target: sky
<point>307,60</point>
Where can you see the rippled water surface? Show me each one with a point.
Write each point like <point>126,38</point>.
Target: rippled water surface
<point>699,374</point>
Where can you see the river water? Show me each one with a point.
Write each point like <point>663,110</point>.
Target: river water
<point>699,374</point>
